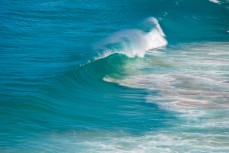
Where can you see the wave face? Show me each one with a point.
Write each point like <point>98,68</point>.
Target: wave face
<point>120,76</point>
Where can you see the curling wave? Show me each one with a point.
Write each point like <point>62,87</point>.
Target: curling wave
<point>134,42</point>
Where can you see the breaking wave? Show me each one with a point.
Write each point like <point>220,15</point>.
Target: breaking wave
<point>134,42</point>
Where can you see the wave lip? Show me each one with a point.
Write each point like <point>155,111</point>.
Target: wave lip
<point>215,1</point>
<point>134,42</point>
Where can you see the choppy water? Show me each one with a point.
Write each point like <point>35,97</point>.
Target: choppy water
<point>114,76</point>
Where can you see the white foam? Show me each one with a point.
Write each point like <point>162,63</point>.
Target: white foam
<point>133,42</point>
<point>163,141</point>
<point>192,80</point>
<point>215,1</point>
<point>196,80</point>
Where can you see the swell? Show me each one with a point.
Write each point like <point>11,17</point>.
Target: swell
<point>187,21</point>
<point>81,99</point>
<point>114,51</point>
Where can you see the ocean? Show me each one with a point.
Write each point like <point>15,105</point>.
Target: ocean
<point>119,76</point>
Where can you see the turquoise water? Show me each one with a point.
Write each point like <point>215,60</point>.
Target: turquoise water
<point>114,76</point>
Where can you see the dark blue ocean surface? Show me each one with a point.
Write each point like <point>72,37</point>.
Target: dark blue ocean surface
<point>114,76</point>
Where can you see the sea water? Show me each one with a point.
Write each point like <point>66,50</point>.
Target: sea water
<point>114,76</point>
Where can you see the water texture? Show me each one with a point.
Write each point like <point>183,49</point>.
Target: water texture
<point>114,76</point>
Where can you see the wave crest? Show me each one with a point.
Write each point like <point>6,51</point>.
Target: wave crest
<point>134,42</point>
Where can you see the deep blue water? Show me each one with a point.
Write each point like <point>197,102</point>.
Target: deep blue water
<point>114,76</point>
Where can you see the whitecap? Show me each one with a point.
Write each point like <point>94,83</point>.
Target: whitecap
<point>133,42</point>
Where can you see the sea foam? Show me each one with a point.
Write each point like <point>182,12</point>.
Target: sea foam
<point>193,81</point>
<point>215,1</point>
<point>133,42</point>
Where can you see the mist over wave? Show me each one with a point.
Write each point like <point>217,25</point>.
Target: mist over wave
<point>134,42</point>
